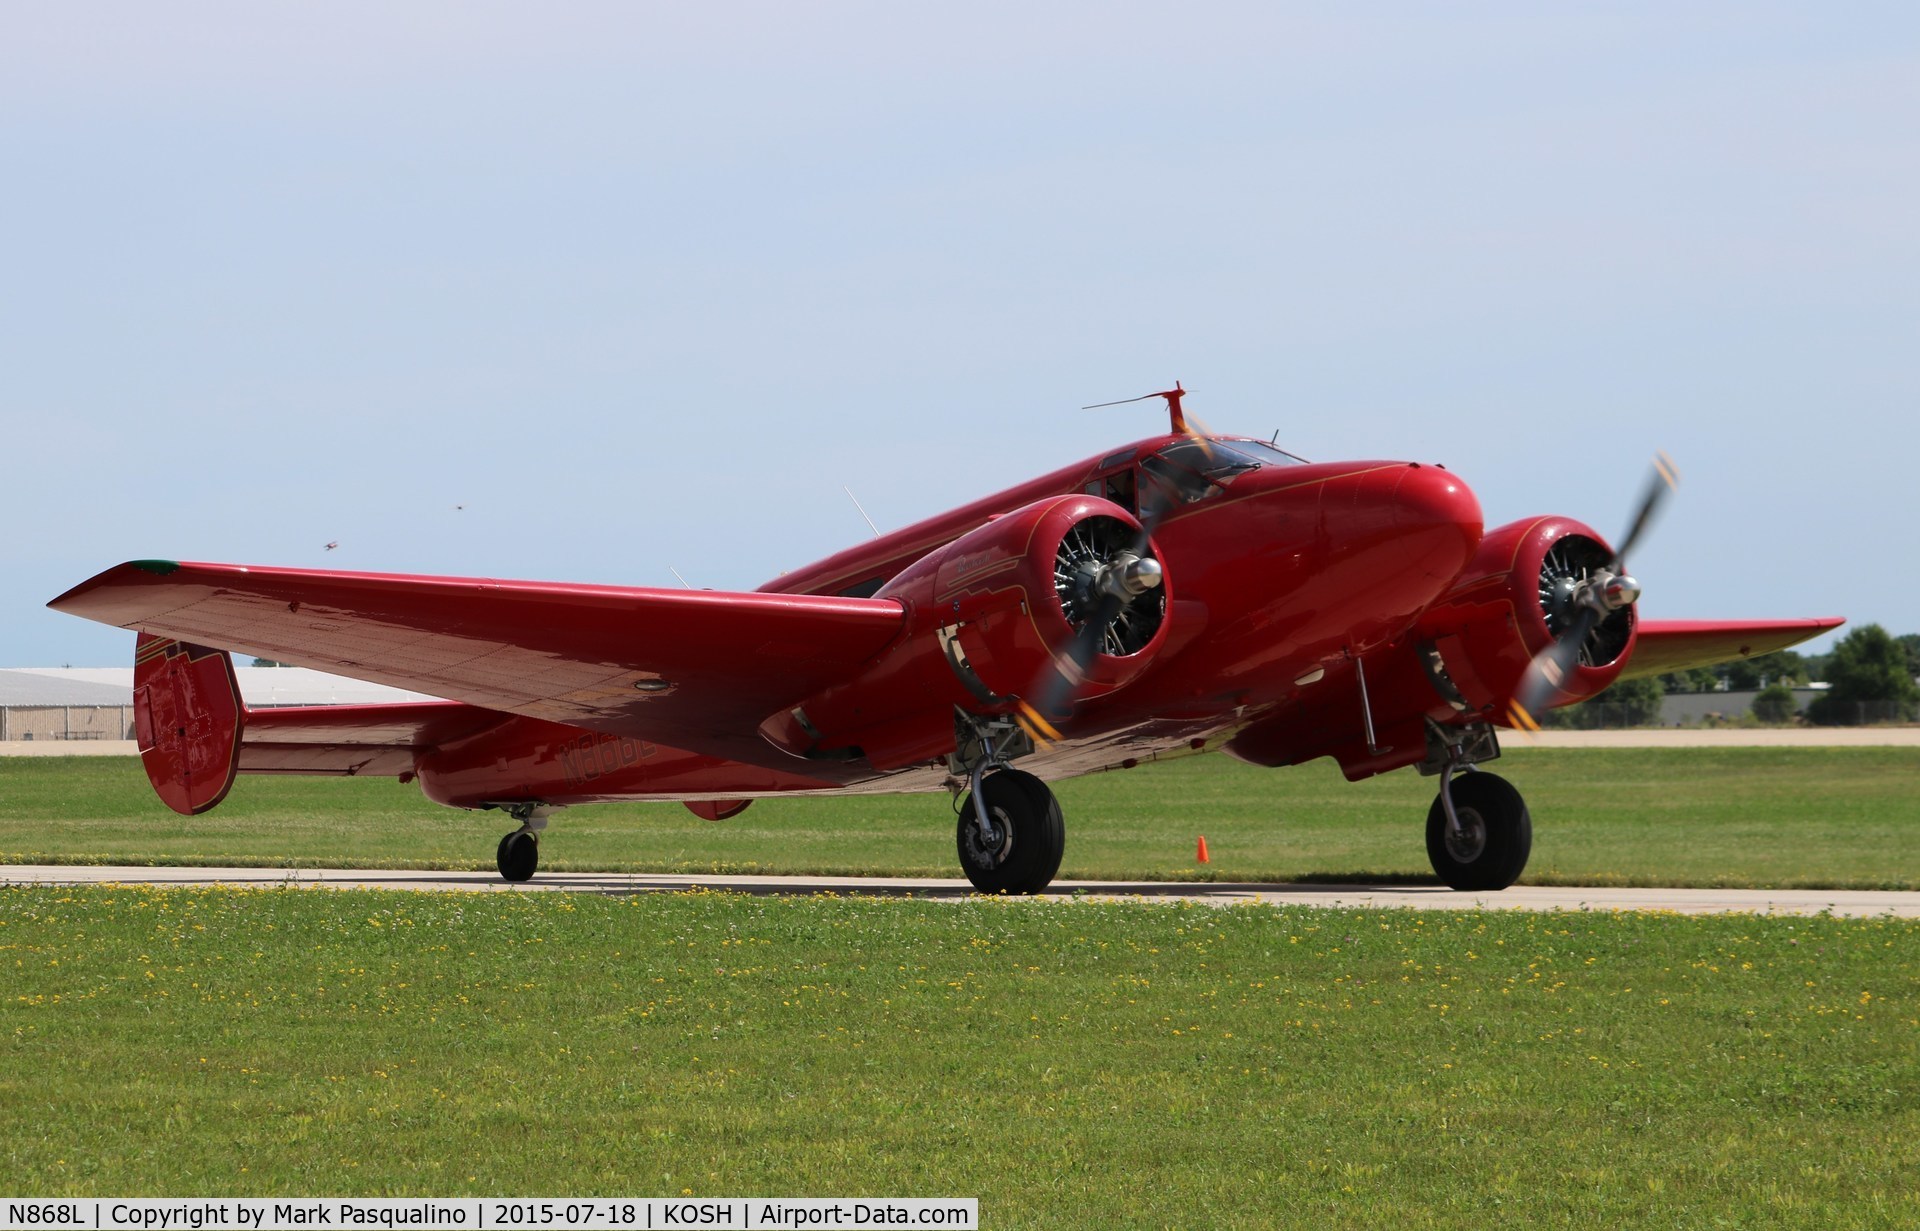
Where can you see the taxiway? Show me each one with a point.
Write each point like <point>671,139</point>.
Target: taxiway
<point>1848,902</point>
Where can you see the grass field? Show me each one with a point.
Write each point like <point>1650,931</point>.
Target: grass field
<point>1069,1063</point>
<point>1749,817</point>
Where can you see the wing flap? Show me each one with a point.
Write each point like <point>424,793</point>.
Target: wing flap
<point>694,669</point>
<point>1661,646</point>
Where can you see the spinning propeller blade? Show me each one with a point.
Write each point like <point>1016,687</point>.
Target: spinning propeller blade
<point>1663,480</point>
<point>1175,413</point>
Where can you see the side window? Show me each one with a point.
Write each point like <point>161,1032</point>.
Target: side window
<point>1120,487</point>
<point>863,589</point>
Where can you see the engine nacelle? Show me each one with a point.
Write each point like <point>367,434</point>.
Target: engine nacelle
<point>990,617</point>
<point>1511,602</point>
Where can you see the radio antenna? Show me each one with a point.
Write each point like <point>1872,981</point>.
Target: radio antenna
<point>863,512</point>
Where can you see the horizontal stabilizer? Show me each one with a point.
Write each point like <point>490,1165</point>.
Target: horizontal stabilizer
<point>355,740</point>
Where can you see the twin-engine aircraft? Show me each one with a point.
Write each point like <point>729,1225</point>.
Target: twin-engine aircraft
<point>1181,594</point>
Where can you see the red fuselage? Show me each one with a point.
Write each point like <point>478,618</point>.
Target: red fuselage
<point>1278,581</point>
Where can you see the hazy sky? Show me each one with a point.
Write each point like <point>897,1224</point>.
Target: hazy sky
<point>643,286</point>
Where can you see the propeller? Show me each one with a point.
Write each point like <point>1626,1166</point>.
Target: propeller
<point>1178,416</point>
<point>1595,595</point>
<point>1099,587</point>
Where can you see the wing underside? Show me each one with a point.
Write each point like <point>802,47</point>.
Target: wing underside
<point>693,669</point>
<point>1661,646</point>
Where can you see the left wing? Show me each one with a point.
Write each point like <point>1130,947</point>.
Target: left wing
<point>693,669</point>
<point>1679,645</point>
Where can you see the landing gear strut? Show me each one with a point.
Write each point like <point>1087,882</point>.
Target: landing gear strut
<point>518,855</point>
<point>1010,833</point>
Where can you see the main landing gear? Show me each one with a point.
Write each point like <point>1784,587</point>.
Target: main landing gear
<point>518,855</point>
<point>1479,833</point>
<point>1010,833</point>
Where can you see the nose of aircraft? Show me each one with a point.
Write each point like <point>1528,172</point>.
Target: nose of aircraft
<point>1438,520</point>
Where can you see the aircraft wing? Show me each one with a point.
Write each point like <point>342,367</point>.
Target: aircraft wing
<point>693,669</point>
<point>1678,645</point>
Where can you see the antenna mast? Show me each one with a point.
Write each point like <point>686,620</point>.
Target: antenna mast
<point>863,512</point>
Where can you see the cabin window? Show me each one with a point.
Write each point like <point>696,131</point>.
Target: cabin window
<point>1120,487</point>
<point>864,589</point>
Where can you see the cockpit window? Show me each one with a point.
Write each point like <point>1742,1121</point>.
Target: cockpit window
<point>1269,454</point>
<point>1196,468</point>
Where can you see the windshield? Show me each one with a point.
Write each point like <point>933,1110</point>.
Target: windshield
<point>1197,468</point>
<point>1266,451</point>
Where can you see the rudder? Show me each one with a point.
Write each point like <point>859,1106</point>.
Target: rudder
<point>188,718</point>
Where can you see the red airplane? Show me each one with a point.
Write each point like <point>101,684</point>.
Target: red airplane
<point>1180,594</point>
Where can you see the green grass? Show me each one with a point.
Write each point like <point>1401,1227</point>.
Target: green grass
<point>1069,1063</point>
<point>1748,817</point>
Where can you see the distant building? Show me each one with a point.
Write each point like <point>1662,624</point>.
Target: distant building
<point>87,703</point>
<point>1689,708</point>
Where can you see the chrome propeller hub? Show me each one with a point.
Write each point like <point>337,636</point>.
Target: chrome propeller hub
<point>1128,575</point>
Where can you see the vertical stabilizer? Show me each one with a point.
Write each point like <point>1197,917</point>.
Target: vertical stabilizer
<point>188,718</point>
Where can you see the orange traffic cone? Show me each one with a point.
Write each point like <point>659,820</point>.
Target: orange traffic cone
<point>1200,856</point>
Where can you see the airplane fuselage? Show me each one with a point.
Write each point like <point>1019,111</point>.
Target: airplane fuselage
<point>1277,582</point>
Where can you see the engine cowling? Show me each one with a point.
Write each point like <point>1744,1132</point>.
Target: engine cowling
<point>989,619</point>
<point>1515,599</point>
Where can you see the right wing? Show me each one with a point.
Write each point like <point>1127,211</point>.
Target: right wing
<point>1661,646</point>
<point>693,669</point>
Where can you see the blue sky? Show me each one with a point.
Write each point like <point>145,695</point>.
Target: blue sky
<point>643,286</point>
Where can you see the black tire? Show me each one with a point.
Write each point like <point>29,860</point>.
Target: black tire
<point>1497,834</point>
<point>518,856</point>
<point>1035,835</point>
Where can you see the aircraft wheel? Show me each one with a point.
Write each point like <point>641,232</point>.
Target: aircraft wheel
<point>519,855</point>
<point>1031,838</point>
<point>1495,837</point>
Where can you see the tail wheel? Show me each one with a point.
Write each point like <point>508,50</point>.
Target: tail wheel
<point>1030,837</point>
<point>1489,849</point>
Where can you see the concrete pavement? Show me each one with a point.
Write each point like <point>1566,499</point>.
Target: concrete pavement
<point>1368,897</point>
